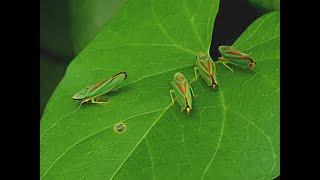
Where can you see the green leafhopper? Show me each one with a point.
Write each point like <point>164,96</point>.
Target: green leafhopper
<point>207,69</point>
<point>233,56</point>
<point>183,92</point>
<point>94,92</point>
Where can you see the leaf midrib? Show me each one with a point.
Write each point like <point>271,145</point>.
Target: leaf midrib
<point>222,100</point>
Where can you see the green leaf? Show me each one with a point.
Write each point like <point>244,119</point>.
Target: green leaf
<point>232,133</point>
<point>87,17</point>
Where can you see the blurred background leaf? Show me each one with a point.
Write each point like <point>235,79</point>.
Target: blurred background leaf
<point>66,27</point>
<point>87,17</point>
<point>51,72</point>
<point>266,5</point>
<point>55,38</point>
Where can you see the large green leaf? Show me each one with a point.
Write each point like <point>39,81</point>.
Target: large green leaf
<point>232,133</point>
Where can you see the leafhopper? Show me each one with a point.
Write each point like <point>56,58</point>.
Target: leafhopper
<point>207,69</point>
<point>183,92</point>
<point>233,56</point>
<point>94,92</point>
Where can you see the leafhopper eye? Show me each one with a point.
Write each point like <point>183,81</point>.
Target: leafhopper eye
<point>252,64</point>
<point>125,74</point>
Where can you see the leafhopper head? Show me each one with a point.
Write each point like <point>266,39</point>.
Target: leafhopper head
<point>202,55</point>
<point>236,57</point>
<point>252,63</point>
<point>122,75</point>
<point>214,85</point>
<point>179,77</point>
<point>188,109</point>
<point>80,95</point>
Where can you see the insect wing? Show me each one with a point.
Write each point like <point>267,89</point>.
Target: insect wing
<point>205,69</point>
<point>188,96</point>
<point>99,88</point>
<point>240,62</point>
<point>106,85</point>
<point>180,89</point>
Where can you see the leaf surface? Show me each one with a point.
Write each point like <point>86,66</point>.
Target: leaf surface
<point>231,133</point>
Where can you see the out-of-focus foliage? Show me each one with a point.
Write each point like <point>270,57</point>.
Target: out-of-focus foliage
<point>66,27</point>
<point>266,5</point>
<point>51,72</point>
<point>87,17</point>
<point>54,29</point>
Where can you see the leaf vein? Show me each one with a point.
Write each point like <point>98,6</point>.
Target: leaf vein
<point>154,15</point>
<point>151,158</point>
<point>141,44</point>
<point>256,29</point>
<point>192,25</point>
<point>263,42</point>
<point>221,133</point>
<point>208,27</point>
<point>262,132</point>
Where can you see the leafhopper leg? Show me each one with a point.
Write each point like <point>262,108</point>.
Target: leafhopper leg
<point>192,92</point>
<point>84,101</point>
<point>172,91</point>
<point>224,62</point>
<point>195,75</point>
<point>96,101</point>
<point>114,90</point>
